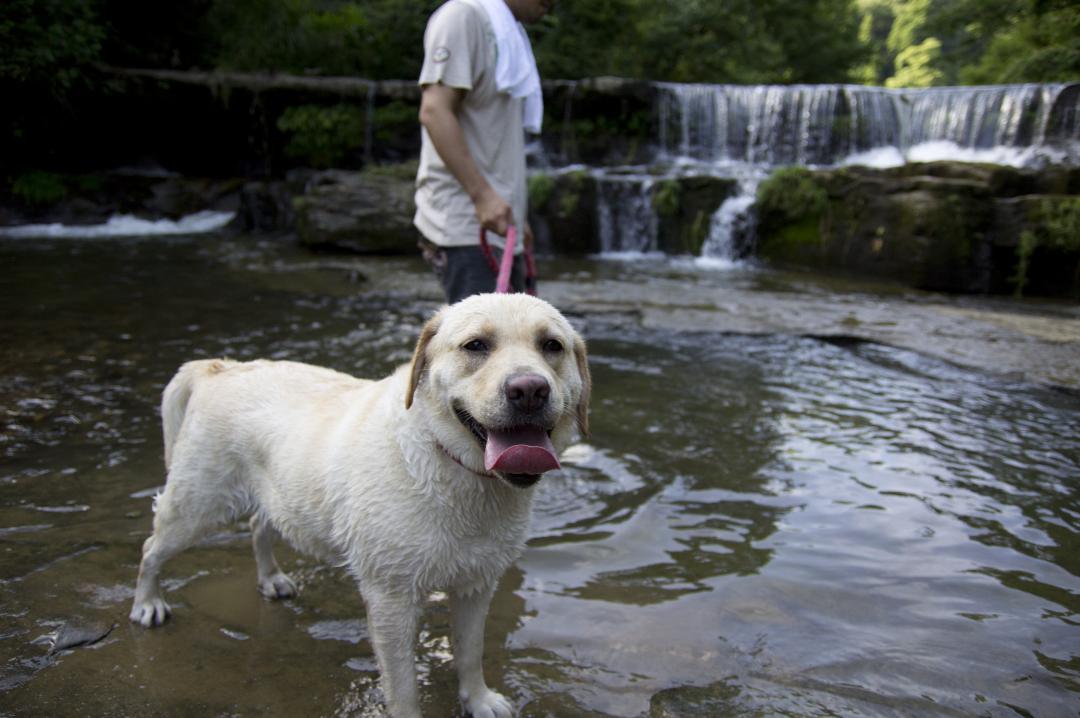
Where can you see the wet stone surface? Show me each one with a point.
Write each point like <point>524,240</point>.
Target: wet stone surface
<point>800,497</point>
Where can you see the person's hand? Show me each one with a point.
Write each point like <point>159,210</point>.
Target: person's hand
<point>495,213</point>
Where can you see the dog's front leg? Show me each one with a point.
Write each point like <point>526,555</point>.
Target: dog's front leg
<point>392,622</point>
<point>468,613</point>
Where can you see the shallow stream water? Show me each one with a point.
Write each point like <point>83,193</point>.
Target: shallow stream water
<point>760,524</point>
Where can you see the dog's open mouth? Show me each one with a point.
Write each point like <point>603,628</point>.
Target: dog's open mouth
<point>520,454</point>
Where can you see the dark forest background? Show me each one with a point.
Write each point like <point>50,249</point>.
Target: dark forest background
<point>54,53</point>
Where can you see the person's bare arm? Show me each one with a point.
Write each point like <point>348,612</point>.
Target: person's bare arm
<point>439,106</point>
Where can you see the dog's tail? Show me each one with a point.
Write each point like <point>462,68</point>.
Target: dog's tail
<point>174,399</point>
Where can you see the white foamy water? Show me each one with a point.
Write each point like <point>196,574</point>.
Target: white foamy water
<point>630,256</point>
<point>125,225</point>
<point>946,150</point>
<point>719,251</point>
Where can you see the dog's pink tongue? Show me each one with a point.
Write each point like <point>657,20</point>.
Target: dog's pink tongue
<point>524,450</point>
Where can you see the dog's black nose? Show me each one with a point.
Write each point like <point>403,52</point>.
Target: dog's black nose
<point>527,392</point>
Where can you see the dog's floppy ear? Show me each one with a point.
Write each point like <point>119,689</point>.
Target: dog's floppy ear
<point>586,385</point>
<point>419,360</point>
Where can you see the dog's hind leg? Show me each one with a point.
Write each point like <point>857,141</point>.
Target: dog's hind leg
<point>273,582</point>
<point>196,500</point>
<point>174,531</point>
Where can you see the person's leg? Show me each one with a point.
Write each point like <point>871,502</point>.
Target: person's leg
<point>467,273</point>
<point>463,271</point>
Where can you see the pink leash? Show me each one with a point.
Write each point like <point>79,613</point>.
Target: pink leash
<point>503,269</point>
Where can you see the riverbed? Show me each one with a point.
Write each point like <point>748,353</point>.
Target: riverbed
<point>801,496</point>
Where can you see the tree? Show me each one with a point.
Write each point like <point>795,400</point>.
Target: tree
<point>1042,45</point>
<point>47,44</point>
<point>916,65</point>
<point>876,20</point>
<point>47,52</point>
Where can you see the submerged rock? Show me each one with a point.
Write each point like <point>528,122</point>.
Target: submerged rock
<point>76,632</point>
<point>718,699</point>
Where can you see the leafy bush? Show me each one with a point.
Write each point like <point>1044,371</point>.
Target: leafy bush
<point>394,119</point>
<point>322,136</point>
<point>48,43</point>
<point>39,188</point>
<point>379,39</point>
<point>541,186</point>
<point>1058,229</point>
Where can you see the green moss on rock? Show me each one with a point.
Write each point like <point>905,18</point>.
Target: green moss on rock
<point>790,195</point>
<point>541,187</point>
<point>665,198</point>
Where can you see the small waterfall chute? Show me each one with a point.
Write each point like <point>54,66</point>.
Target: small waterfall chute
<point>626,219</point>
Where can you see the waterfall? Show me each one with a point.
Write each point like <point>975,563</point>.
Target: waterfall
<point>625,215</point>
<point>746,131</point>
<point>825,124</point>
<point>721,250</point>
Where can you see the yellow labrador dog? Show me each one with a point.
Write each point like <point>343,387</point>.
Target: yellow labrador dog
<point>417,483</point>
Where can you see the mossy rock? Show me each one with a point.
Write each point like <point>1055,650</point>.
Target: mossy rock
<point>684,208</point>
<point>366,212</point>
<point>927,229</point>
<point>1048,249</point>
<point>562,212</point>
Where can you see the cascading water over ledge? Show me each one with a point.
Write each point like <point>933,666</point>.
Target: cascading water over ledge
<point>661,133</point>
<point>829,124</point>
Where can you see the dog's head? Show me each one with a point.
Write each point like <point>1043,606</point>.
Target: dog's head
<point>509,379</point>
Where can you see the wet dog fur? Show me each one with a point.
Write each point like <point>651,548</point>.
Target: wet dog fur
<point>386,478</point>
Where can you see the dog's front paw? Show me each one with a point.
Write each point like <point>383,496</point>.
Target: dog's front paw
<point>149,613</point>
<point>278,585</point>
<point>489,704</point>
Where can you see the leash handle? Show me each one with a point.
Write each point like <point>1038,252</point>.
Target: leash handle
<point>504,269</point>
<point>502,282</point>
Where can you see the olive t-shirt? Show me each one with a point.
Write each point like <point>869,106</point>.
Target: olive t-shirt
<point>460,51</point>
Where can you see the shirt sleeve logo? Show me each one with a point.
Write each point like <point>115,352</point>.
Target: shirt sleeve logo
<point>441,54</point>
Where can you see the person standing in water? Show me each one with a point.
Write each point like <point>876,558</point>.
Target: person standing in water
<point>480,93</point>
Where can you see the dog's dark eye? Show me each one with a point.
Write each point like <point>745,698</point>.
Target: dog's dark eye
<point>553,345</point>
<point>476,345</point>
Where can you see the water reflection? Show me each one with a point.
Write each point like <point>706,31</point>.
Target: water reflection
<point>758,525</point>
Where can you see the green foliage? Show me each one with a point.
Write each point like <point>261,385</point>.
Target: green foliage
<point>393,119</point>
<point>322,136</point>
<point>398,171</point>
<point>378,39</point>
<point>915,65</point>
<point>970,41</point>
<point>570,196</point>
<point>1028,242</point>
<point>666,199</point>
<point>908,28</point>
<point>874,26</point>
<point>48,43</point>
<point>1061,224</point>
<point>1042,47</point>
<point>789,196</point>
<point>1057,228</point>
<point>701,40</point>
<point>39,188</point>
<point>541,187</point>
